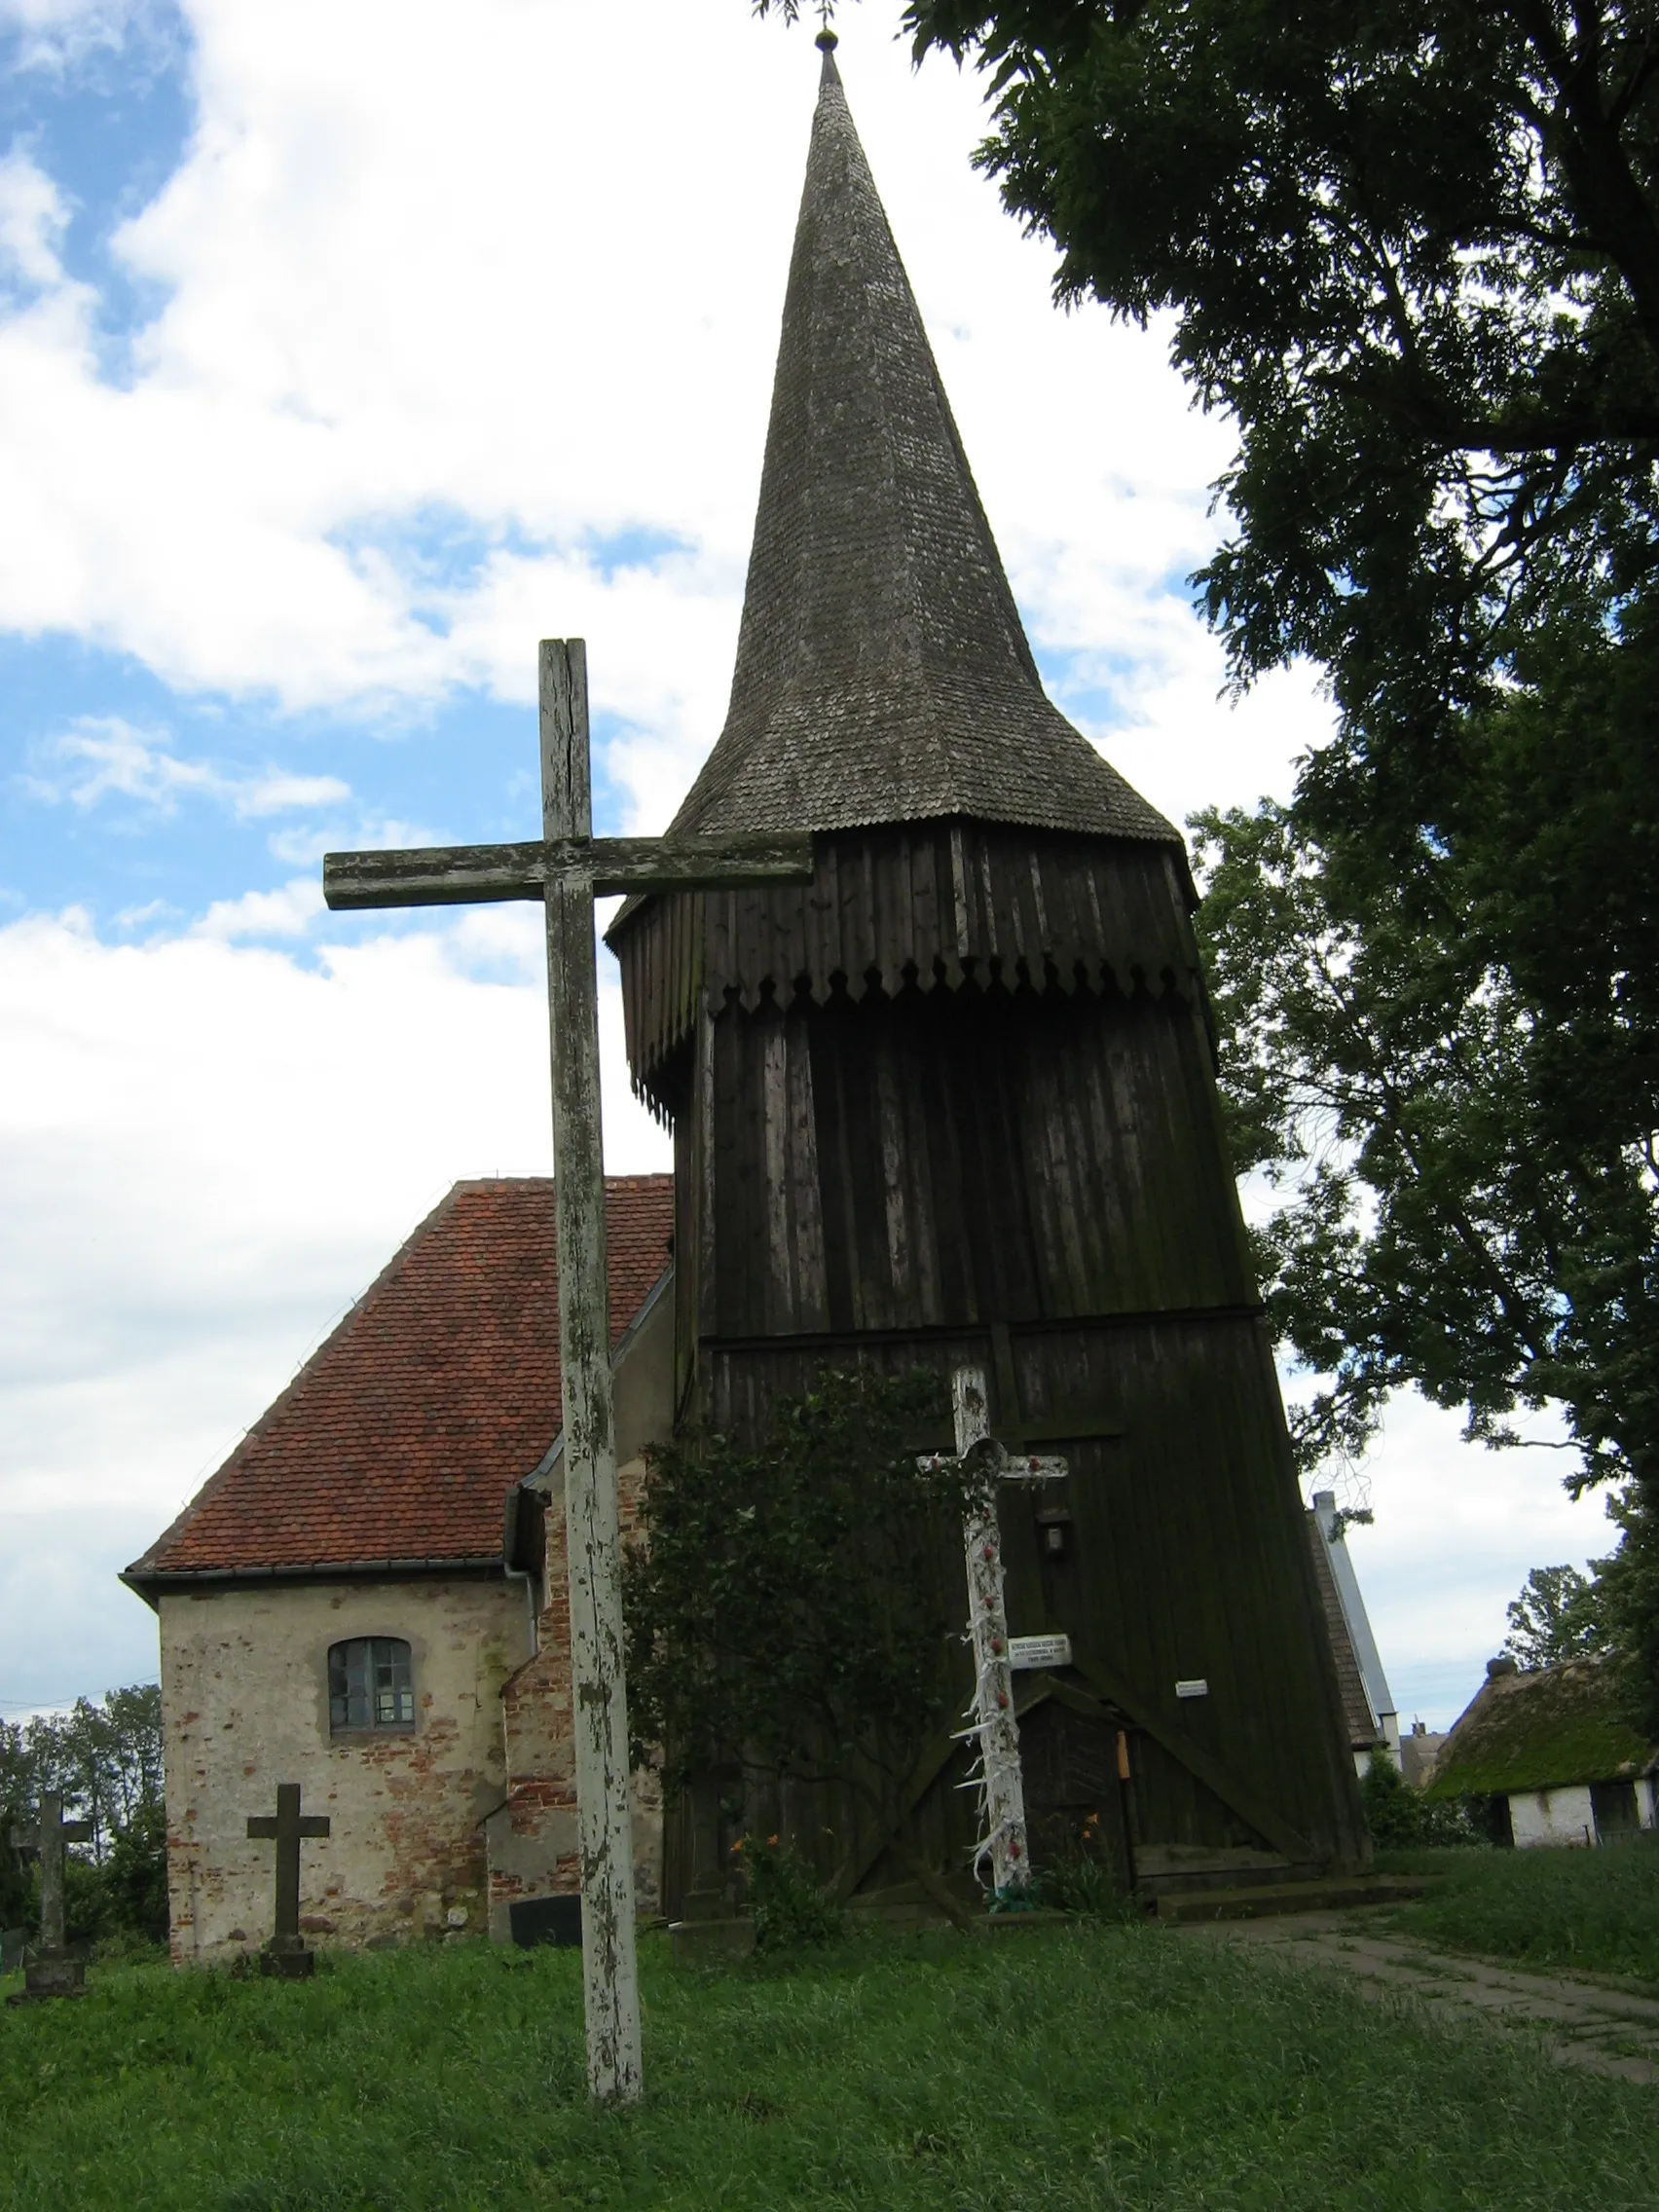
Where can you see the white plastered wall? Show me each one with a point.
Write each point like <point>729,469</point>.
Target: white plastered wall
<point>244,1690</point>
<point>1552,1816</point>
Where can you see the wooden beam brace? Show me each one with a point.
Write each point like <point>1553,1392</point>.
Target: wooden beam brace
<point>1028,1692</point>
<point>450,875</point>
<point>1114,1697</point>
<point>1197,1762</point>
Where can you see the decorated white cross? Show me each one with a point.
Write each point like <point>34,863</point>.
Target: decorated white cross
<point>565,869</point>
<point>1001,1783</point>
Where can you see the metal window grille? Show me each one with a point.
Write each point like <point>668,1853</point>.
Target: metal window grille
<point>369,1684</point>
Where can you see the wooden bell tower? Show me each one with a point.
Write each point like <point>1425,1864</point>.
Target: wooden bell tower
<point>955,1102</point>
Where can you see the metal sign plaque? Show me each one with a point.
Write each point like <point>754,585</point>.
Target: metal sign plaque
<point>1026,1651</point>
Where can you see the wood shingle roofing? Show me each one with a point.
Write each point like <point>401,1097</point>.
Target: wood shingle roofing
<point>882,671</point>
<point>397,1441</point>
<point>1362,1725</point>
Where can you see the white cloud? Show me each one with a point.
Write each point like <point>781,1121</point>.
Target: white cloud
<point>560,334</point>
<point>1458,1529</point>
<point>55,34</point>
<point>104,753</point>
<point>152,910</point>
<point>281,794</point>
<point>207,1150</point>
<point>287,912</point>
<point>32,221</point>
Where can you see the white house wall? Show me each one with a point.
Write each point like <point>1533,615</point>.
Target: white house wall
<point>244,1688</point>
<point>1552,1816</point>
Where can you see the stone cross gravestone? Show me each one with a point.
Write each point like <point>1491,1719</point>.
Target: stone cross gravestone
<point>285,1953</point>
<point>994,1726</point>
<point>565,869</point>
<point>54,1972</point>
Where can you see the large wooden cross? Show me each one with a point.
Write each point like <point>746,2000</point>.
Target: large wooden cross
<point>565,869</point>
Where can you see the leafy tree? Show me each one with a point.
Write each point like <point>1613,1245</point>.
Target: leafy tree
<point>1412,246</point>
<point>1459,1204</point>
<point>1441,1223</point>
<point>788,1614</point>
<point>15,1806</point>
<point>1625,1594</point>
<point>133,1877</point>
<point>1400,1819</point>
<point>105,1758</point>
<point>1557,1617</point>
<point>105,1761</point>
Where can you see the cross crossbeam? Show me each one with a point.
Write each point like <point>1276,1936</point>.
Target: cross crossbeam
<point>454,875</point>
<point>566,868</point>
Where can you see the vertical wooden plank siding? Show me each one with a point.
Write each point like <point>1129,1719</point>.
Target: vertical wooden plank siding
<point>961,1078</point>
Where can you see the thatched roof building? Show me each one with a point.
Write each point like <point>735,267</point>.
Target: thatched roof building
<point>1551,1746</point>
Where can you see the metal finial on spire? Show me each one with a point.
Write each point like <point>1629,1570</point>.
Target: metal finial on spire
<point>827,42</point>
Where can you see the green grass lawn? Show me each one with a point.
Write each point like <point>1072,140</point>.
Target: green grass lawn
<point>1045,2068</point>
<point>1573,1910</point>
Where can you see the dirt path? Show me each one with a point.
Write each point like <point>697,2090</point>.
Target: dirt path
<point>1581,2023</point>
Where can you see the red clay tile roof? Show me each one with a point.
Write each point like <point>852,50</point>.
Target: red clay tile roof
<point>402,1435</point>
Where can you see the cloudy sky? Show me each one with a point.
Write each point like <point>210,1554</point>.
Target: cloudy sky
<point>346,348</point>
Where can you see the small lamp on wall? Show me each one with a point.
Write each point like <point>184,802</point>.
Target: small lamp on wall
<point>1055,1533</point>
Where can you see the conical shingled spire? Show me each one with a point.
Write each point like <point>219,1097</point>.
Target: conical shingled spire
<point>882,671</point>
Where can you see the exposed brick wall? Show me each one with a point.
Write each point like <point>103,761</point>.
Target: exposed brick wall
<point>245,1705</point>
<point>533,1839</point>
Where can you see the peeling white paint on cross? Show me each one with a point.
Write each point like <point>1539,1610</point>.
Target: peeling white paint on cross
<point>565,869</point>
<point>1001,1780</point>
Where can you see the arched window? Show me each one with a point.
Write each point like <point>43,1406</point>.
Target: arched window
<point>369,1684</point>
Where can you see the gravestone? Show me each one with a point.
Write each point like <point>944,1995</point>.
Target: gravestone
<point>285,1954</point>
<point>55,1971</point>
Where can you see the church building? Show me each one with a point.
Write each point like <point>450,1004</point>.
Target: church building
<point>951,1102</point>
<point>368,1597</point>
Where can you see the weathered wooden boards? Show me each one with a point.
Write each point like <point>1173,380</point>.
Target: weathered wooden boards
<point>973,904</point>
<point>567,870</point>
<point>593,1541</point>
<point>285,1953</point>
<point>447,876</point>
<point>55,1972</point>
